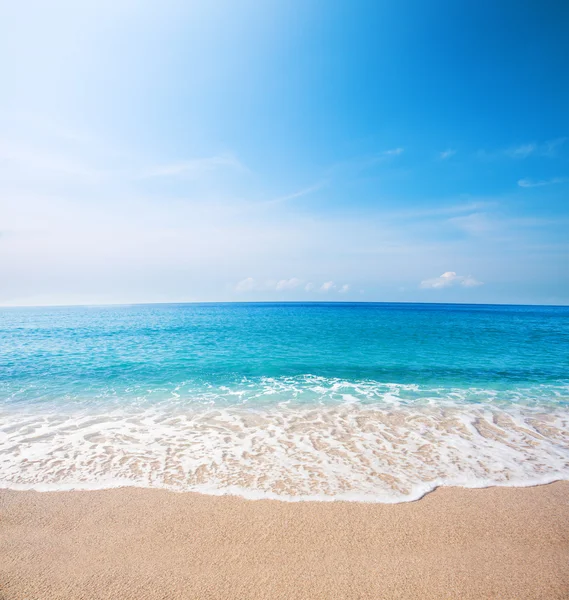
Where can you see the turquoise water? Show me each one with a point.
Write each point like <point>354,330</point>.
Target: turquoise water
<point>284,400</point>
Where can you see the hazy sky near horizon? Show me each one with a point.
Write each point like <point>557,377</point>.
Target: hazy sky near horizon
<point>284,150</point>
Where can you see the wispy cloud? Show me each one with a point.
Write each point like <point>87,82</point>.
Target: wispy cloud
<point>522,151</point>
<point>250,284</point>
<point>475,223</point>
<point>449,279</point>
<point>447,154</point>
<point>394,152</point>
<point>529,183</point>
<point>435,211</point>
<point>35,162</point>
<point>337,172</point>
<point>330,286</point>
<point>351,167</point>
<point>246,285</point>
<point>303,192</point>
<point>64,158</point>
<point>548,149</point>
<point>194,167</point>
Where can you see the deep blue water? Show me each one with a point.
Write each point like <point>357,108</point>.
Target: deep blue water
<point>379,402</point>
<point>197,351</point>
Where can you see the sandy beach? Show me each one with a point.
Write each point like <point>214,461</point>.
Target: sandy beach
<point>150,544</point>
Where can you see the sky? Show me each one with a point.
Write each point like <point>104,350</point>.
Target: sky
<point>181,151</point>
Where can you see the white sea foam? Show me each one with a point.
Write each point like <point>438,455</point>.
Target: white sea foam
<point>390,451</point>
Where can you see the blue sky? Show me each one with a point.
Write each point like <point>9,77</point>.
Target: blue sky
<point>184,151</point>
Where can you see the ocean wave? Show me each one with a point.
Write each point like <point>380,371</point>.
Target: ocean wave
<point>293,439</point>
<point>268,391</point>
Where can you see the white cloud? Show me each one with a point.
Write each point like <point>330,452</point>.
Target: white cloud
<point>449,279</point>
<point>394,152</point>
<point>246,285</point>
<point>284,285</point>
<point>447,154</point>
<point>528,183</point>
<point>89,223</point>
<point>288,284</point>
<point>85,227</point>
<point>270,285</point>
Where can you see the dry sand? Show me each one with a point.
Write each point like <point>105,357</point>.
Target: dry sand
<point>141,544</point>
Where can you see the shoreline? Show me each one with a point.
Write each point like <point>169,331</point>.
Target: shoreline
<point>347,450</point>
<point>254,496</point>
<point>495,542</point>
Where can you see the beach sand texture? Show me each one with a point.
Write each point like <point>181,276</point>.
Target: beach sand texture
<point>143,544</point>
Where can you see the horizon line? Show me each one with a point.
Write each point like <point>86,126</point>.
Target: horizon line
<point>196,302</point>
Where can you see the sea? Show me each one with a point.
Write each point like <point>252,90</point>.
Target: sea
<point>291,401</point>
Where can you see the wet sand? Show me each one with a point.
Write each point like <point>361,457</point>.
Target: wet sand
<point>152,544</point>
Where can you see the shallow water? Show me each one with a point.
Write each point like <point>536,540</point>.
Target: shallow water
<point>379,402</point>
